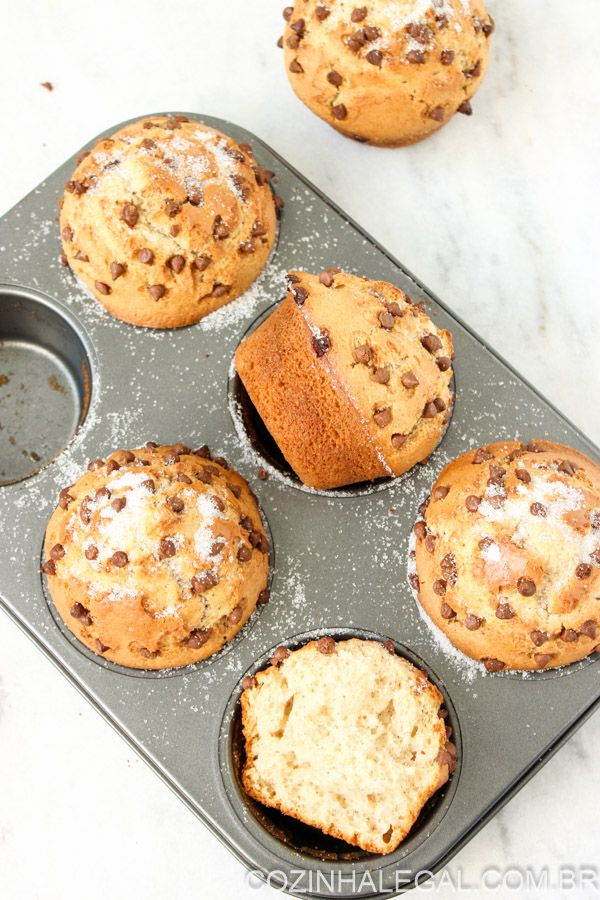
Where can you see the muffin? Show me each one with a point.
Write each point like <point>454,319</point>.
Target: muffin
<point>351,378</point>
<point>387,72</point>
<point>346,737</point>
<point>167,220</point>
<point>156,557</point>
<point>508,555</point>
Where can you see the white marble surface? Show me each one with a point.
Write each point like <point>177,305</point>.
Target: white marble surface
<point>496,214</point>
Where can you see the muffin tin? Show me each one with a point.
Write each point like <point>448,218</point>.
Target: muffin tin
<point>79,384</point>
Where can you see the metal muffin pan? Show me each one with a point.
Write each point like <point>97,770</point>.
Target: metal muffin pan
<point>339,562</point>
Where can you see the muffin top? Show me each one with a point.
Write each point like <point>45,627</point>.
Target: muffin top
<point>384,352</point>
<point>165,218</point>
<point>347,737</point>
<point>508,554</point>
<point>159,546</point>
<point>412,62</point>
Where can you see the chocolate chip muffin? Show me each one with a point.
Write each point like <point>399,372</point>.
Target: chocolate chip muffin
<point>350,377</point>
<point>156,557</point>
<point>386,72</point>
<point>347,737</point>
<point>167,220</point>
<point>508,555</point>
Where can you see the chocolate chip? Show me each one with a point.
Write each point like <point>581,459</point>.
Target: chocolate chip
<point>413,581</point>
<point>567,468</point>
<point>130,214</point>
<point>64,260</point>
<point>447,57</point>
<point>532,447</point>
<point>370,32</point>
<point>102,287</point>
<point>95,465</point>
<point>537,509</point>
<point>288,12</point>
<point>399,440</point>
<point>127,456</point>
<point>172,209</point>
<point>143,651</point>
<point>386,320</point>
<point>526,587</point>
<point>421,33</point>
<point>382,417</point>
<point>203,582</point>
<point>504,610</point>
<point>67,234</point>
<point>321,344</point>
<point>166,549</point>
<point>321,12</point>
<point>264,597</point>
<point>416,57</point>
<point>278,201</point>
<point>326,645</point>
<point>443,363</point>
<point>79,612</point>
<point>440,492</point>
<point>258,230</point>
<point>279,656</point>
<point>380,376</point>
<point>430,543</point>
<point>475,72</point>
<point>439,587</point>
<point>201,263</point>
<point>355,41</point>
<point>174,230</point>
<point>183,479</point>
<point>216,501</point>
<point>112,466</point>
<point>296,67</point>
<point>538,637</point>
<point>493,665</point>
<point>583,570</point>
<point>465,108</point>
<point>358,14</point>
<point>178,117</point>
<point>116,270</point>
<point>299,294</point>
<point>64,499</point>
<point>49,567</point>
<point>446,611</point>
<point>119,504</point>
<point>374,57</point>
<point>515,454</point>
<point>420,530</point>
<point>249,682</point>
<point>472,503</point>
<point>219,290</point>
<point>298,26</point>
<point>488,27</point>
<point>327,277</point>
<point>473,622</point>
<point>235,615</point>
<point>437,114</point>
<point>431,342</point>
<point>197,638</point>
<point>542,659</point>
<point>119,559</point>
<point>176,263</point>
<point>244,553</point>
<point>148,144</point>
<point>220,229</point>
<point>91,552</point>
<point>145,255</point>
<point>523,475</point>
<point>83,257</point>
<point>430,410</point>
<point>176,504</point>
<point>221,461</point>
<point>157,291</point>
<point>497,473</point>
<point>334,78</point>
<point>481,456</point>
<point>339,111</point>
<point>246,247</point>
<point>588,629</point>
<point>449,569</point>
<point>569,636</point>
<point>362,354</point>
<point>439,404</point>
